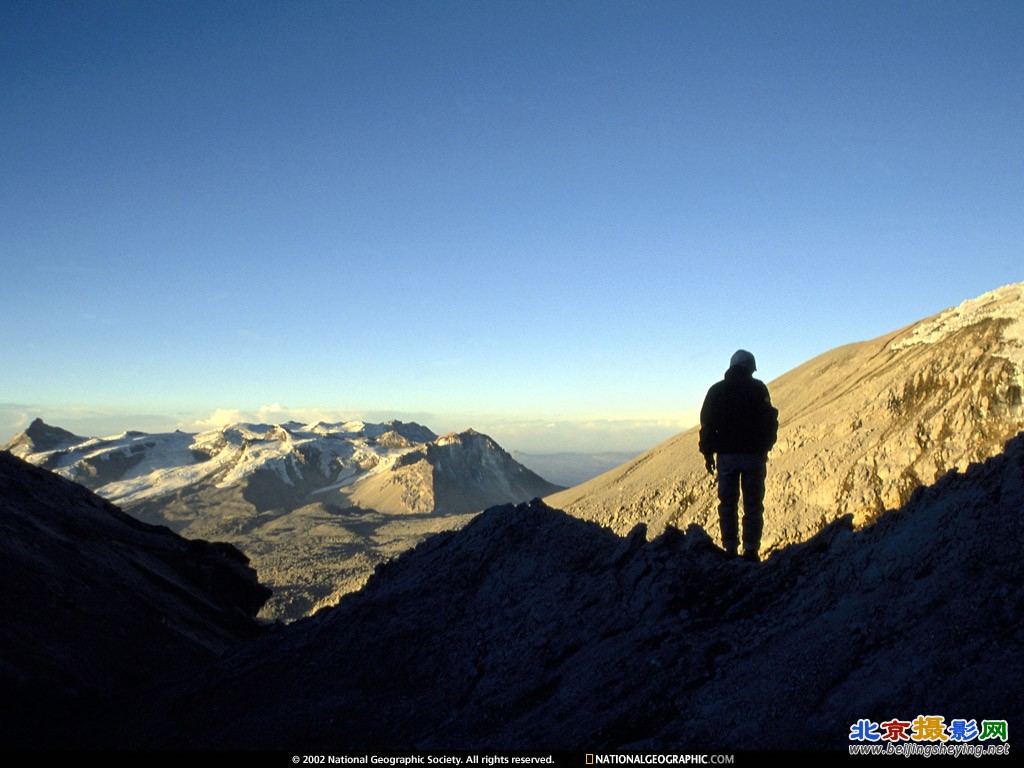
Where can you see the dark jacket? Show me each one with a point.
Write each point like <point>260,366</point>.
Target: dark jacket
<point>738,416</point>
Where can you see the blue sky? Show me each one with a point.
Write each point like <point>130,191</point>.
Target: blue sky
<point>551,221</point>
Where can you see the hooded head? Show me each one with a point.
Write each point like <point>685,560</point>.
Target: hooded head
<point>743,358</point>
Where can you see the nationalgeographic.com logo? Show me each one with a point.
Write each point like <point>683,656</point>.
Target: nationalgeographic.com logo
<point>593,759</point>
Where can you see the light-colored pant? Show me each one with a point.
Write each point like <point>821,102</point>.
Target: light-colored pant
<point>746,471</point>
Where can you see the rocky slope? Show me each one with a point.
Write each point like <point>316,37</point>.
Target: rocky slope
<point>533,629</point>
<point>96,603</point>
<point>316,506</point>
<point>861,427</point>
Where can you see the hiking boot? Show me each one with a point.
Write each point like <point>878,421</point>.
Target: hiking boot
<point>751,556</point>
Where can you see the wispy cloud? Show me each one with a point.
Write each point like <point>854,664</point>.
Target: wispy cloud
<point>13,419</point>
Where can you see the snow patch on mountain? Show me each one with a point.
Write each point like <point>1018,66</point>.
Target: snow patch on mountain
<point>1003,304</point>
<point>135,466</point>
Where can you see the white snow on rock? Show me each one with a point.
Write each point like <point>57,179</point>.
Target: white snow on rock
<point>1006,303</point>
<point>165,463</point>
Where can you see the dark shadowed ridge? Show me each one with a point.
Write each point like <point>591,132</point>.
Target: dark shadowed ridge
<point>96,604</point>
<point>532,629</point>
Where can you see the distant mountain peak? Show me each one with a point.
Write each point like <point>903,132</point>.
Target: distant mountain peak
<point>39,428</point>
<point>41,437</point>
<point>466,435</point>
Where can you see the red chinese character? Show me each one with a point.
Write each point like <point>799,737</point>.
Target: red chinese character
<point>895,730</point>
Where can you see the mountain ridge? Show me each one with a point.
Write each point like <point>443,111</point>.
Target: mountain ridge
<point>861,426</point>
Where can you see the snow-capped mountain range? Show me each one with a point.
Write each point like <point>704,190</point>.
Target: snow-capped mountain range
<point>315,506</point>
<point>137,466</point>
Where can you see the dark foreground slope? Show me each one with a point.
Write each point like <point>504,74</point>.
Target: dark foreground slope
<point>97,606</point>
<point>533,629</point>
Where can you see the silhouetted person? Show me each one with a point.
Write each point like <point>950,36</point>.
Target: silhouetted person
<point>739,423</point>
